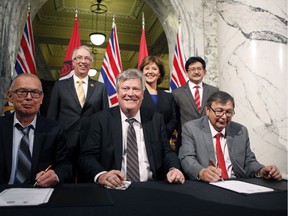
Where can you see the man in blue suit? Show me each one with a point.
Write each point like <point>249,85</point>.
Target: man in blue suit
<point>104,156</point>
<point>46,142</point>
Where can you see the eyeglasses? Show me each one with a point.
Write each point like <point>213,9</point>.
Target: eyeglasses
<point>22,93</point>
<point>220,113</point>
<point>80,58</point>
<point>199,69</point>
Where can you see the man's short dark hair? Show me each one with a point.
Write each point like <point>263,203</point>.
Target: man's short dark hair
<point>192,60</point>
<point>220,97</point>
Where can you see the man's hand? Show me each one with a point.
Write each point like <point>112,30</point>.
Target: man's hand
<point>210,174</point>
<point>175,176</point>
<point>112,179</point>
<point>46,179</point>
<point>270,172</point>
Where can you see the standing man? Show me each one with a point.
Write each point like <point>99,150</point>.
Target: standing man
<point>215,147</point>
<point>75,99</point>
<point>30,143</point>
<point>192,97</point>
<point>128,143</point>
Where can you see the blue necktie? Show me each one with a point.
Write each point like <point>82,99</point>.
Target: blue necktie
<point>23,168</point>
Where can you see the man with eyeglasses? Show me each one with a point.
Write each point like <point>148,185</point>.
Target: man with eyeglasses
<point>30,143</point>
<point>192,97</point>
<point>185,96</point>
<point>75,99</point>
<point>214,147</point>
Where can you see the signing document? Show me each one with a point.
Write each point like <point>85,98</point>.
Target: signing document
<point>241,187</point>
<point>25,196</point>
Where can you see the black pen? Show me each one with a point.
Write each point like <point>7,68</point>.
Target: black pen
<point>212,164</point>
<point>49,167</point>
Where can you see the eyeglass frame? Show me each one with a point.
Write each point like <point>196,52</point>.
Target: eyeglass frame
<point>228,113</point>
<point>23,93</point>
<point>196,69</point>
<point>80,58</point>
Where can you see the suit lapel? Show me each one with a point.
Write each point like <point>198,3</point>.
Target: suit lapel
<point>7,129</point>
<point>238,170</point>
<point>71,88</point>
<point>146,124</point>
<point>204,97</point>
<point>208,139</point>
<point>190,96</point>
<point>116,132</point>
<point>39,140</point>
<point>90,89</point>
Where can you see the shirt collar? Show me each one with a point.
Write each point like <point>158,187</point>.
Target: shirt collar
<point>85,80</point>
<point>214,132</point>
<point>192,85</point>
<point>137,116</point>
<point>33,123</point>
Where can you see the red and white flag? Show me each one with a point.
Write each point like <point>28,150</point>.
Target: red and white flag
<point>67,68</point>
<point>178,76</point>
<point>111,66</point>
<point>143,51</point>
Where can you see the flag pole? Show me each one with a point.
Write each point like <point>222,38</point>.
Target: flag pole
<point>143,20</point>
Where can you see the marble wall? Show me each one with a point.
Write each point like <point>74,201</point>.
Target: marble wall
<point>252,41</point>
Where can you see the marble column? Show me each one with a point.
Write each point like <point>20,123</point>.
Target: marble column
<point>252,41</point>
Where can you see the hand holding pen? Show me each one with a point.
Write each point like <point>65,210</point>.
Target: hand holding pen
<point>212,164</point>
<point>46,178</point>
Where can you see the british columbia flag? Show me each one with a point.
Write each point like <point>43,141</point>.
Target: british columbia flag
<point>178,77</point>
<point>111,66</point>
<point>25,61</point>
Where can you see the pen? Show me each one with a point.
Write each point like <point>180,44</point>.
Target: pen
<point>49,167</point>
<point>212,164</point>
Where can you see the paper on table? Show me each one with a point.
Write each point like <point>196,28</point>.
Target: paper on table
<point>242,187</point>
<point>25,196</point>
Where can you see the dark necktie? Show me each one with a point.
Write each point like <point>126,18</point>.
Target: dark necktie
<point>220,156</point>
<point>23,168</point>
<point>132,153</point>
<point>197,98</point>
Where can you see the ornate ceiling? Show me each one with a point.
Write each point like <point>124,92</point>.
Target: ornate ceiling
<point>53,24</point>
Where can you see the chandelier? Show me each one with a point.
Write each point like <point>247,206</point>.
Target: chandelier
<point>97,38</point>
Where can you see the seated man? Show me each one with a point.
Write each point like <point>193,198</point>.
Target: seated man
<point>32,148</point>
<point>128,143</point>
<point>216,140</point>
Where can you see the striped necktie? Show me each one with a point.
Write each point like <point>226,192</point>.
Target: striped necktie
<point>197,98</point>
<point>23,168</point>
<point>132,153</point>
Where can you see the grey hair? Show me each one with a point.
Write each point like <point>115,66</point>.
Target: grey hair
<point>130,74</point>
<point>85,48</point>
<point>24,75</point>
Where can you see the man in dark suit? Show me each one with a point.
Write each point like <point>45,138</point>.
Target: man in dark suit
<point>65,106</point>
<point>201,158</point>
<point>184,96</point>
<point>104,156</point>
<point>46,142</point>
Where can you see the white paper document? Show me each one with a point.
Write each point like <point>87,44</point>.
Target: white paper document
<point>242,187</point>
<point>25,196</point>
